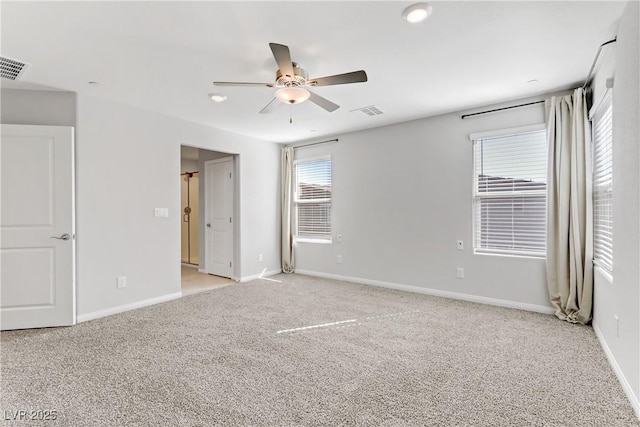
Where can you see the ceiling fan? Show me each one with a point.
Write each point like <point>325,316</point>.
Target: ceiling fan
<point>292,81</point>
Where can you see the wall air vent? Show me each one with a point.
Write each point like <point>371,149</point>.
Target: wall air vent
<point>11,69</point>
<point>370,110</point>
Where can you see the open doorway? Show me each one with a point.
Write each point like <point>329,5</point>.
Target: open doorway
<point>189,226</point>
<point>207,225</point>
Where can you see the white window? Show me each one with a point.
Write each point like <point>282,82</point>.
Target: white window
<point>510,191</point>
<point>312,199</point>
<point>603,184</point>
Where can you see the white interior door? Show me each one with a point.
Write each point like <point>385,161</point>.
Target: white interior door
<point>219,217</point>
<point>37,287</point>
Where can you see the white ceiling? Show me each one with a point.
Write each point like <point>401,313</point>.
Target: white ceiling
<point>164,56</point>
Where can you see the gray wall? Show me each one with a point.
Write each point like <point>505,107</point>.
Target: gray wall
<point>402,196</point>
<point>128,163</point>
<point>38,107</point>
<point>118,234</point>
<point>188,165</point>
<point>621,297</point>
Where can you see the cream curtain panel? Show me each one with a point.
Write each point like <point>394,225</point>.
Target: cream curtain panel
<point>569,208</point>
<point>286,190</point>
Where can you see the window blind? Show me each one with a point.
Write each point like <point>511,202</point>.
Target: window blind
<point>312,199</point>
<point>602,128</point>
<point>510,197</point>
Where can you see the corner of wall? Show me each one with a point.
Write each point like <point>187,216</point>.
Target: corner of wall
<point>628,390</point>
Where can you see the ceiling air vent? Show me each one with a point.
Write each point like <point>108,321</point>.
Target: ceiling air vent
<point>11,69</point>
<point>370,110</point>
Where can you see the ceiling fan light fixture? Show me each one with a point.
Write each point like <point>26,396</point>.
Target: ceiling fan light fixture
<point>417,12</point>
<point>292,95</point>
<point>217,97</point>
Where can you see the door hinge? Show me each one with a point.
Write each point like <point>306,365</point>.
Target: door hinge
<point>229,220</point>
<point>229,175</point>
<point>229,263</point>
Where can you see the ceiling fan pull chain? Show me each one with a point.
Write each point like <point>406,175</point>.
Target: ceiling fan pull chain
<point>290,114</point>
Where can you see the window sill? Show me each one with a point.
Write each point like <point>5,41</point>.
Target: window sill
<point>308,240</point>
<point>510,254</point>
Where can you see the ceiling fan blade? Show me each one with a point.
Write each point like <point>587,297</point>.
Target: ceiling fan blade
<point>243,84</point>
<point>283,58</point>
<point>323,102</point>
<point>339,79</point>
<point>270,106</point>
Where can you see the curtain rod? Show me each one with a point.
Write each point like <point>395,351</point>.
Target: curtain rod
<point>595,60</point>
<point>500,109</point>
<point>315,143</point>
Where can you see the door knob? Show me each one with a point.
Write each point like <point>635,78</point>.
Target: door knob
<point>65,236</point>
<point>209,225</point>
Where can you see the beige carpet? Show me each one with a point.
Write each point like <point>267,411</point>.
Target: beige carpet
<point>302,351</point>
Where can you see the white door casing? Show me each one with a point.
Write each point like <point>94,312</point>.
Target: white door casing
<point>219,217</point>
<point>37,253</point>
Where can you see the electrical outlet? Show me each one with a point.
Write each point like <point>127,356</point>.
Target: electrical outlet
<point>260,259</point>
<point>339,237</point>
<point>339,259</point>
<point>460,273</point>
<point>122,282</point>
<point>459,245</point>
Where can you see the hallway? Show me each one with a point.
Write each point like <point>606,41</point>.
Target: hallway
<point>193,281</point>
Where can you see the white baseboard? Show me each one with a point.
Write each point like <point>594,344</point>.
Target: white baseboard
<point>633,399</point>
<point>435,292</point>
<point>260,276</point>
<point>131,306</point>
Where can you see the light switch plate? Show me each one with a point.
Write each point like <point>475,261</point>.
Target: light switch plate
<point>161,212</point>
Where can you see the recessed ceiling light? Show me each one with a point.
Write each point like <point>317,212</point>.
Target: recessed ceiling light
<point>532,81</point>
<point>417,12</point>
<point>217,97</point>
<point>93,83</point>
